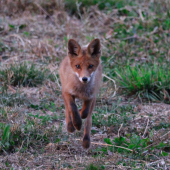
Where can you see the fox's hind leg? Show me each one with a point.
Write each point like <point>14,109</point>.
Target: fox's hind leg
<point>72,108</point>
<point>87,126</point>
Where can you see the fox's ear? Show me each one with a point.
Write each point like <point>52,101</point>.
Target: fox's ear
<point>73,48</point>
<point>94,48</point>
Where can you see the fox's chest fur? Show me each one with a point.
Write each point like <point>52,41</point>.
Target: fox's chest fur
<point>83,91</point>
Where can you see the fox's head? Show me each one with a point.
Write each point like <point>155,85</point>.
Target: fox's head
<point>84,62</point>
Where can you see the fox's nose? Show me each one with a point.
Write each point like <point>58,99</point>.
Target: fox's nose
<point>84,79</point>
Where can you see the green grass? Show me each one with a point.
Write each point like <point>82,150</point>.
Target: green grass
<point>94,167</point>
<point>22,74</point>
<point>12,99</point>
<point>33,132</point>
<point>114,116</point>
<point>130,144</point>
<point>146,81</point>
<point>136,148</point>
<point>72,8</point>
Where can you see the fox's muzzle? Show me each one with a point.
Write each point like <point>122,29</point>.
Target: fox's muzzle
<point>85,79</point>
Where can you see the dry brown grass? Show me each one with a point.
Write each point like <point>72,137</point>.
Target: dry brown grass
<point>17,7</point>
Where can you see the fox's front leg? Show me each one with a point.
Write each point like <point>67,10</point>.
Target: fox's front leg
<point>88,124</point>
<point>70,127</point>
<point>85,109</point>
<point>72,109</point>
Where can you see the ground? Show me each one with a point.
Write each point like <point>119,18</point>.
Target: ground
<point>129,131</point>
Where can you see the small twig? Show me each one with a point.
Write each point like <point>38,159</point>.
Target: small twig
<point>8,41</point>
<point>160,139</point>
<point>146,129</point>
<point>104,75</point>
<point>104,144</point>
<point>164,135</point>
<point>10,88</point>
<point>132,37</point>
<point>78,9</point>
<point>57,81</point>
<point>119,130</point>
<point>40,166</point>
<point>17,36</point>
<point>155,162</point>
<point>20,146</point>
<point>41,8</point>
<point>140,14</point>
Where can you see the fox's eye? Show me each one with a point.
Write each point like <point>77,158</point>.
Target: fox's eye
<point>78,66</point>
<point>90,66</point>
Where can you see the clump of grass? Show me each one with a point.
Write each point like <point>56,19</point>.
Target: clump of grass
<point>9,99</point>
<point>22,74</point>
<point>3,47</point>
<point>5,133</point>
<point>12,136</point>
<point>137,147</point>
<point>112,117</point>
<point>94,167</point>
<point>146,81</point>
<point>11,7</point>
<point>71,6</point>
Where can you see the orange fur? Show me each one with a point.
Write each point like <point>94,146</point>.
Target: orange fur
<point>80,74</point>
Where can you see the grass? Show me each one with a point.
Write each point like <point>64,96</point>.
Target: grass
<point>114,116</point>
<point>130,143</point>
<point>22,75</point>
<point>94,167</point>
<point>136,147</point>
<point>77,7</point>
<point>72,7</point>
<point>28,134</point>
<point>145,81</point>
<point>129,131</point>
<point>9,99</point>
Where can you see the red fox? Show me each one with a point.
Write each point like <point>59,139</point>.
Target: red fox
<point>80,74</point>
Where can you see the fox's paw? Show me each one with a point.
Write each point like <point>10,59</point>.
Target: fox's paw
<point>84,113</point>
<point>86,141</point>
<point>70,127</point>
<point>77,122</point>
